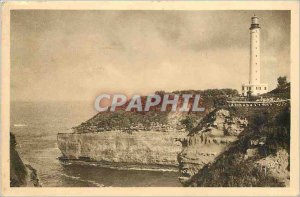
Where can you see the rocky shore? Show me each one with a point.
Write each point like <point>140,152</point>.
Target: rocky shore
<point>21,175</point>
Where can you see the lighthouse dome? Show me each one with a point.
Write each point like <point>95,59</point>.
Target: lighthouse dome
<point>254,20</point>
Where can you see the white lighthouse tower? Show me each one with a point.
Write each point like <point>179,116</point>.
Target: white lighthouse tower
<point>254,87</point>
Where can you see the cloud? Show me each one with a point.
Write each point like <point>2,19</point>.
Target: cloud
<point>75,55</point>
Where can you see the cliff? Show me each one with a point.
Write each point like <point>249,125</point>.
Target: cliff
<point>142,148</point>
<point>127,137</point>
<point>253,149</point>
<point>21,175</point>
<point>258,157</point>
<point>207,141</point>
<point>225,146</point>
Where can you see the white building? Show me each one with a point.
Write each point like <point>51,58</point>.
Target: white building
<point>254,87</point>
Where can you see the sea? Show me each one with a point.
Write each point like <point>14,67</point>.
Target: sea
<point>36,124</point>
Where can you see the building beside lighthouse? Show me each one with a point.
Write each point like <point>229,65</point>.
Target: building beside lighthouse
<point>254,86</point>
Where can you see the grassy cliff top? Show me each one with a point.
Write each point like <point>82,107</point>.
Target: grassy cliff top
<point>162,121</point>
<point>155,119</point>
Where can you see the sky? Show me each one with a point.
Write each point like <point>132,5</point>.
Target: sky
<point>78,55</point>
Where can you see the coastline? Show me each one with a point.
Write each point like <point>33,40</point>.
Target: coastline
<point>120,166</point>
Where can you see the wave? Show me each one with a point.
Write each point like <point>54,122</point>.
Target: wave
<point>118,167</point>
<point>138,169</point>
<point>20,125</point>
<point>83,180</point>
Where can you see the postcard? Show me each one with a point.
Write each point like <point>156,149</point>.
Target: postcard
<point>150,98</point>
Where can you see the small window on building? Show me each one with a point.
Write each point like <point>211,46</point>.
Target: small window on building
<point>242,88</point>
<point>265,88</point>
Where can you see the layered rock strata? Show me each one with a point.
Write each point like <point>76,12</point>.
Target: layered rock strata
<point>142,147</point>
<point>211,138</point>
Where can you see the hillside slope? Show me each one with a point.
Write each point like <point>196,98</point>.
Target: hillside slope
<point>155,119</point>
<point>260,155</point>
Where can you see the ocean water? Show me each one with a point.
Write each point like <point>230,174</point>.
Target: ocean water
<point>35,125</point>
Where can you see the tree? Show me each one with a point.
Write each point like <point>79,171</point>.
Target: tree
<point>189,123</point>
<point>249,94</point>
<point>281,82</point>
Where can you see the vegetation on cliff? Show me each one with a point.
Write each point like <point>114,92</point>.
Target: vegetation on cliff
<point>207,141</point>
<point>283,89</point>
<point>260,157</point>
<point>155,119</point>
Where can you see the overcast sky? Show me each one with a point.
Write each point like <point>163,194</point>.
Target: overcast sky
<point>77,55</point>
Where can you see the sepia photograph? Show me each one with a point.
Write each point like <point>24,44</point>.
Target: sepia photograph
<point>153,97</point>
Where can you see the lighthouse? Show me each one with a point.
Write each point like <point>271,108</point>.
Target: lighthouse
<point>254,86</point>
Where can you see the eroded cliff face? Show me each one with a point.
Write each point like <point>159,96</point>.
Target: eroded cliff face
<point>21,175</point>
<point>258,155</point>
<point>142,147</point>
<point>211,137</point>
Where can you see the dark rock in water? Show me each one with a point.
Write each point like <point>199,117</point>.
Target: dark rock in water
<point>21,175</point>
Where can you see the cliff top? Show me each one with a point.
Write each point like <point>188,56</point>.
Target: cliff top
<point>155,119</point>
